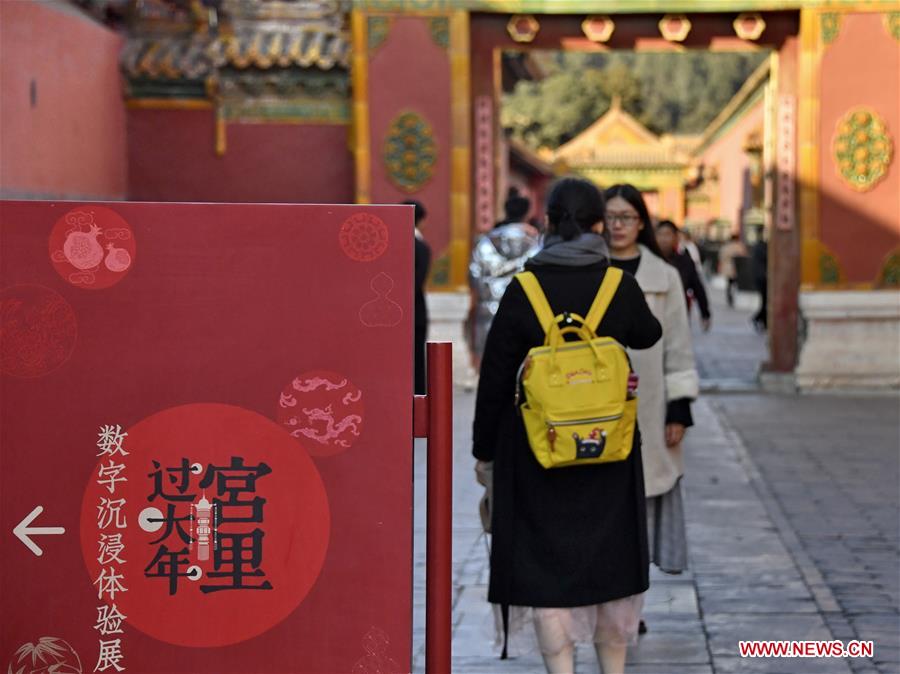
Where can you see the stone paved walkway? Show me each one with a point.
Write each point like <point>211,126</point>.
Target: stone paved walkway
<point>728,356</point>
<point>792,507</point>
<point>832,468</point>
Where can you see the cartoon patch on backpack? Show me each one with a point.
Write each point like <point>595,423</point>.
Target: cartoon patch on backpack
<point>592,446</point>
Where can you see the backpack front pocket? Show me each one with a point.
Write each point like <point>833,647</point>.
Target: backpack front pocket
<point>601,438</point>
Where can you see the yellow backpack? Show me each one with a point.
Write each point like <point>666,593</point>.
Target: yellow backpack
<point>577,408</point>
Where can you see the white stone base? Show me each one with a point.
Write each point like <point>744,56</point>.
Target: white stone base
<point>852,340</point>
<point>447,313</point>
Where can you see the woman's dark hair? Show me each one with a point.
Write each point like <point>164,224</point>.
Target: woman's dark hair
<point>633,196</point>
<point>668,223</point>
<point>421,213</point>
<point>516,208</point>
<point>573,207</point>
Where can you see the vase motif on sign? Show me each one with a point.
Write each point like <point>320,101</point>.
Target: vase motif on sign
<point>862,149</point>
<point>410,152</point>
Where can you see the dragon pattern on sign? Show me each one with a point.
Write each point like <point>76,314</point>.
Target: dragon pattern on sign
<point>324,409</point>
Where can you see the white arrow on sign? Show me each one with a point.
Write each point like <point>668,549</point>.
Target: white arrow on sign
<point>23,531</point>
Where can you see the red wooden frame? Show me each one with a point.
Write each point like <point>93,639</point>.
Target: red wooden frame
<point>433,419</point>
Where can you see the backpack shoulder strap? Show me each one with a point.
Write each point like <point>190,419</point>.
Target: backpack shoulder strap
<point>537,298</point>
<point>604,296</point>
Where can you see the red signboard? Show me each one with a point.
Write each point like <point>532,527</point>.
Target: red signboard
<point>206,438</point>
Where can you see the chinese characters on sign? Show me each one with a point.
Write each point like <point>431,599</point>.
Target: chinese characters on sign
<point>110,520</point>
<point>240,501</point>
<point>231,524</point>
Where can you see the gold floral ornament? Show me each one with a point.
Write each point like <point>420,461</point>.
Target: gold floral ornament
<point>410,151</point>
<point>674,27</point>
<point>749,26</point>
<point>523,28</point>
<point>862,149</point>
<point>598,28</point>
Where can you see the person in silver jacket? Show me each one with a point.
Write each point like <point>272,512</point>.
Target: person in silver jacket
<point>496,257</point>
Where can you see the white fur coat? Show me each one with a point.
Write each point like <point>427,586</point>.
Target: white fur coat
<point>666,371</point>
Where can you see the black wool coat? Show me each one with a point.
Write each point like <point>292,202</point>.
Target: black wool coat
<point>571,536</point>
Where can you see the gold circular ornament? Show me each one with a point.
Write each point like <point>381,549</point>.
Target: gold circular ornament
<point>410,151</point>
<point>862,149</point>
<point>523,28</point>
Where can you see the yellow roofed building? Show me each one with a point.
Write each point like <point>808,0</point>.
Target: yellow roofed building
<point>617,148</point>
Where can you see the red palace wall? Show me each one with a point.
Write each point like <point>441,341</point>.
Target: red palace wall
<point>172,157</point>
<point>410,73</point>
<point>859,69</point>
<point>62,123</point>
<point>727,156</point>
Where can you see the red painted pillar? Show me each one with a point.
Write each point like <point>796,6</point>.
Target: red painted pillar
<point>439,542</point>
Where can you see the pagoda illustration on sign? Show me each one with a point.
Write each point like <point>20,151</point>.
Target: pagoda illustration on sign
<point>203,510</point>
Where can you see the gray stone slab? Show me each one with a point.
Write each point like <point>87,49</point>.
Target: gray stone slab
<point>727,629</point>
<point>672,648</point>
<point>672,622</point>
<point>655,668</point>
<point>738,665</point>
<point>486,665</point>
<point>671,597</point>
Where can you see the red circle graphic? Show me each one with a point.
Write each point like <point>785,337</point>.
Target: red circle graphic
<point>226,525</point>
<point>92,247</point>
<point>38,330</point>
<point>363,237</point>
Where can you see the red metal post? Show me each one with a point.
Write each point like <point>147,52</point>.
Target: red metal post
<point>439,540</point>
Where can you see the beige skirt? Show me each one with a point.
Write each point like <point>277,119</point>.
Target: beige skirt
<point>550,630</point>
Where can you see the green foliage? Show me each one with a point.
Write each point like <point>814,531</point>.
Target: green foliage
<point>667,92</point>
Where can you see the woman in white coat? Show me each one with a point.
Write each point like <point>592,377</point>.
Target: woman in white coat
<point>668,380</point>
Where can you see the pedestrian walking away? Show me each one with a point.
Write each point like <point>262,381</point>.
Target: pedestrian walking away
<point>569,544</point>
<point>422,266</point>
<point>694,289</point>
<point>496,258</point>
<point>760,257</point>
<point>667,372</point>
<point>731,249</point>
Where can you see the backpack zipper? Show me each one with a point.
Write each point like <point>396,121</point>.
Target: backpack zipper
<point>576,422</point>
<point>551,426</point>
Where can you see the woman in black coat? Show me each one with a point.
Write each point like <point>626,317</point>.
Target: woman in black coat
<point>567,537</point>
<point>667,233</point>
